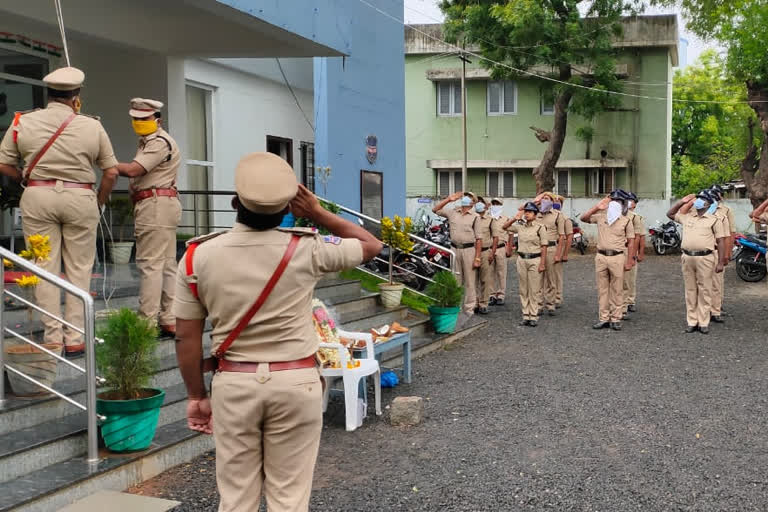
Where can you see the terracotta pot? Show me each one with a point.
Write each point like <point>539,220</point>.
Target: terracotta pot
<point>33,362</point>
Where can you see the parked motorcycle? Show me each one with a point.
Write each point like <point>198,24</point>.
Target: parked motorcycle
<point>665,237</point>
<point>749,255</point>
<point>579,241</point>
<point>406,267</point>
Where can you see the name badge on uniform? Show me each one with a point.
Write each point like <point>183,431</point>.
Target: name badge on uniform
<point>330,239</point>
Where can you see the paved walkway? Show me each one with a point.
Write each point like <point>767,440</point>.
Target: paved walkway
<point>562,417</point>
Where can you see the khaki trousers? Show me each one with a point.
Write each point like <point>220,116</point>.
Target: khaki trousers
<point>266,427</point>
<point>464,260</point>
<point>559,283</point>
<point>610,286</point>
<point>484,280</point>
<point>529,279</point>
<point>70,216</point>
<point>549,280</point>
<point>499,271</point>
<point>630,287</point>
<point>718,290</point>
<point>698,274</point>
<point>156,220</point>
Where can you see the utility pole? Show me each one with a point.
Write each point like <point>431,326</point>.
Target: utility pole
<point>464,61</point>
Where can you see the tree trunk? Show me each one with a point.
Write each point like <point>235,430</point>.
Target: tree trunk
<point>754,171</point>
<point>544,173</point>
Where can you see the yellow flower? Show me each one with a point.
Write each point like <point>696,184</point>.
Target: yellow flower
<point>39,248</point>
<point>26,254</point>
<point>7,263</point>
<point>27,281</point>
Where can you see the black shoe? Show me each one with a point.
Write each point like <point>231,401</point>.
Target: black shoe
<point>533,323</point>
<point>482,311</point>
<point>558,306</point>
<point>704,330</point>
<point>601,325</point>
<point>691,328</point>
<point>551,312</point>
<point>499,302</point>
<point>524,323</point>
<point>631,308</point>
<point>492,301</point>
<point>717,319</point>
<point>625,316</point>
<point>476,310</point>
<point>74,354</point>
<point>616,326</point>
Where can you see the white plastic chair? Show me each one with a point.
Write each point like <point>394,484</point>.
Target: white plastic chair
<point>351,376</point>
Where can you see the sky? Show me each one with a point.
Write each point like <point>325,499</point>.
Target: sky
<point>427,11</point>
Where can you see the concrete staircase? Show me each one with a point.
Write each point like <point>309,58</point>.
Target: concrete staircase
<point>43,441</point>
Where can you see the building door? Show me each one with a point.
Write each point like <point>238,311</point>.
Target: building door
<point>281,147</point>
<point>372,197</point>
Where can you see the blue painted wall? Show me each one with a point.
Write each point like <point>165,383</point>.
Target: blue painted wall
<point>360,95</point>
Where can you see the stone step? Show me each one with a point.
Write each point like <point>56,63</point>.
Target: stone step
<point>330,288</point>
<point>30,449</point>
<point>57,485</point>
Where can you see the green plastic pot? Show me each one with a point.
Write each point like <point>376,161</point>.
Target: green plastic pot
<point>130,425</point>
<point>444,319</point>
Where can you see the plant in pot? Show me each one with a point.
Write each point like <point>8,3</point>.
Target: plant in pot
<point>121,211</point>
<point>394,233</point>
<point>24,357</point>
<point>447,294</point>
<point>301,222</point>
<point>127,362</point>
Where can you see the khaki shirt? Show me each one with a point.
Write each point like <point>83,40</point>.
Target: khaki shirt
<point>568,227</point>
<point>484,230</point>
<point>81,145</point>
<point>497,229</point>
<point>612,237</point>
<point>461,224</point>
<point>530,237</point>
<point>700,233</point>
<point>726,215</point>
<point>153,155</point>
<point>554,224</point>
<point>638,223</point>
<point>282,330</point>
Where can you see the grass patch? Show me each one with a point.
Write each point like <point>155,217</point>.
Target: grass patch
<point>369,283</point>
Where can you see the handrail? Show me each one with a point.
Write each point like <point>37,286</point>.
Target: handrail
<point>88,331</point>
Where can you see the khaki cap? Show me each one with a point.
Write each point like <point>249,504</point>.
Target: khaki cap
<point>265,183</point>
<point>65,79</point>
<point>141,107</point>
<point>497,200</point>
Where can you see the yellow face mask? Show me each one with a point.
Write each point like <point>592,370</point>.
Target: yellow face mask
<point>144,126</point>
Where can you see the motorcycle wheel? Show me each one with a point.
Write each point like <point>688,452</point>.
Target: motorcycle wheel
<point>582,247</point>
<point>749,272</point>
<point>408,279</point>
<point>659,247</point>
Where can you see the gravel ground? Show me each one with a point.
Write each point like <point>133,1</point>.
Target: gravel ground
<point>561,417</point>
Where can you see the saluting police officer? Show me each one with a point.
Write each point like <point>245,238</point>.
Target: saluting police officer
<point>60,147</point>
<point>725,214</point>
<point>266,406</point>
<point>615,255</point>
<point>500,263</point>
<point>157,211</point>
<point>554,224</point>
<point>461,223</point>
<point>485,249</point>
<point>630,277</point>
<point>557,204</point>
<point>701,232</point>
<point>532,246</point>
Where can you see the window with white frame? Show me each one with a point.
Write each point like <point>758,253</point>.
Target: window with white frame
<point>502,98</point>
<point>200,164</point>
<point>448,182</point>
<point>563,182</point>
<point>449,98</point>
<point>500,183</point>
<point>547,104</point>
<point>602,181</point>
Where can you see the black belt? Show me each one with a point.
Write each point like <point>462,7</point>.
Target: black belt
<point>697,253</point>
<point>609,252</point>
<point>502,244</point>
<point>485,249</point>
<point>552,243</point>
<point>462,246</point>
<point>529,255</point>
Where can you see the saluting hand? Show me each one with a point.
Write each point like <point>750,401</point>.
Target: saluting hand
<point>603,204</point>
<point>200,416</point>
<point>456,196</point>
<point>689,198</point>
<point>305,204</point>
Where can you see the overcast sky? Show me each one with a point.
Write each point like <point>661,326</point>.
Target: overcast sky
<point>427,11</point>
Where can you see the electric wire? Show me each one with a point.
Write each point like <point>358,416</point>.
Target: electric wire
<point>285,79</point>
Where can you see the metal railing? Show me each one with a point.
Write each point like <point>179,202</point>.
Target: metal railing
<point>91,379</point>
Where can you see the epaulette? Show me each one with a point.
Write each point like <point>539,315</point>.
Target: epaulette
<point>299,231</point>
<point>89,115</point>
<point>204,238</point>
<point>22,112</point>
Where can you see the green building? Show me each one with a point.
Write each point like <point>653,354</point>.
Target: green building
<point>630,147</point>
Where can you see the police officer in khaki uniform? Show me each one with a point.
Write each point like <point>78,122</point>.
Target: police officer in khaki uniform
<point>531,263</point>
<point>630,277</point>
<point>725,213</point>
<point>60,147</point>
<point>485,252</point>
<point>557,204</point>
<point>157,211</point>
<point>461,222</point>
<point>701,232</point>
<point>266,407</point>
<point>500,263</point>
<point>554,223</point>
<point>615,255</point>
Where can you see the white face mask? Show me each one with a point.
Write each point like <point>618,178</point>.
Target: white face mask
<point>614,211</point>
<point>496,211</point>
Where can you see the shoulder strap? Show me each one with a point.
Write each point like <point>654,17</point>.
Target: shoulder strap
<point>189,266</point>
<point>15,127</point>
<point>170,148</point>
<point>48,145</point>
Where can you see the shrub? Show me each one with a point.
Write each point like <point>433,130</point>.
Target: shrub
<point>445,290</point>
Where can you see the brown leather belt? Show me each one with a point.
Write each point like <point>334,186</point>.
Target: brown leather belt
<point>697,253</point>
<point>152,192</point>
<point>234,366</point>
<point>529,255</point>
<point>52,183</point>
<point>608,252</point>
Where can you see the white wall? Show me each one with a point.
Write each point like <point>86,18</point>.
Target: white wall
<point>245,109</point>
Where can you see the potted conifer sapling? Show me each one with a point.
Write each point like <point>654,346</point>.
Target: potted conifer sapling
<point>447,294</point>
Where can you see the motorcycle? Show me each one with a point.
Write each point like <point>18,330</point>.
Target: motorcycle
<point>749,255</point>
<point>665,237</point>
<point>406,268</point>
<point>579,241</point>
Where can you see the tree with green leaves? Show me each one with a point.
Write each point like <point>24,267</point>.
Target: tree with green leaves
<point>571,38</point>
<point>711,129</point>
<point>741,26</point>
